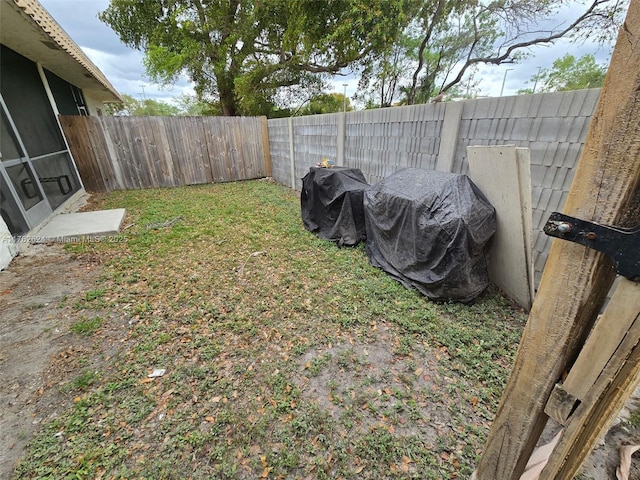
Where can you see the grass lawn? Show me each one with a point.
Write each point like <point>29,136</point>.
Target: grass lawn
<point>284,356</point>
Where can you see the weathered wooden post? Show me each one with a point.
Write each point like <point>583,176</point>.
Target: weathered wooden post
<point>576,281</point>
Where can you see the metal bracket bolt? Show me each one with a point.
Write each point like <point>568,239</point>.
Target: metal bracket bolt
<point>621,244</point>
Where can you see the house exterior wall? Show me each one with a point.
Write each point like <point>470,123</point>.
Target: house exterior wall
<point>96,107</point>
<point>44,74</point>
<point>8,248</point>
<point>36,162</point>
<point>38,173</point>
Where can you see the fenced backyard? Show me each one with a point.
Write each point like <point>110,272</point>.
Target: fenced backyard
<point>116,153</point>
<point>252,349</point>
<point>283,356</point>
<point>379,142</point>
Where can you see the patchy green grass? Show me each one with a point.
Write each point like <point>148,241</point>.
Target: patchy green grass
<point>285,356</point>
<point>86,326</point>
<point>82,381</point>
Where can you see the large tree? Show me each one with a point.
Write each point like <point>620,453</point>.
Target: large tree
<point>243,52</point>
<point>456,36</point>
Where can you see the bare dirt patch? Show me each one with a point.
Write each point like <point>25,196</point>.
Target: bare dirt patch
<point>37,348</point>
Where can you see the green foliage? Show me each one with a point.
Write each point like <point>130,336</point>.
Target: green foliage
<point>81,382</point>
<point>326,103</point>
<point>184,105</point>
<point>190,105</point>
<point>634,419</point>
<point>569,73</point>
<point>94,294</point>
<point>146,107</point>
<point>248,54</point>
<point>381,78</point>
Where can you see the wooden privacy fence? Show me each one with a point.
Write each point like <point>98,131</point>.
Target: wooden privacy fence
<point>121,153</point>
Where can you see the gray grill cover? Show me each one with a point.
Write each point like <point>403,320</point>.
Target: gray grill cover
<point>331,204</point>
<point>429,230</point>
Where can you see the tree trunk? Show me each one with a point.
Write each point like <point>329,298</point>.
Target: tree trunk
<point>226,91</point>
<point>227,101</point>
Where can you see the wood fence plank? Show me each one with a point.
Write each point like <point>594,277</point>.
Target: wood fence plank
<point>174,137</point>
<point>215,147</point>
<point>143,152</point>
<point>224,150</point>
<point>99,146</point>
<point>205,161</point>
<point>229,159</point>
<point>106,158</point>
<point>121,150</point>
<point>575,280</point>
<point>165,158</point>
<point>265,151</point>
<point>253,136</point>
<point>234,158</point>
<point>196,152</point>
<point>190,150</point>
<point>137,152</point>
<point>151,151</point>
<point>247,147</point>
<point>83,153</point>
<point>168,126</point>
<point>600,396</point>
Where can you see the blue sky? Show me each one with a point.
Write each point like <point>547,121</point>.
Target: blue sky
<point>123,66</point>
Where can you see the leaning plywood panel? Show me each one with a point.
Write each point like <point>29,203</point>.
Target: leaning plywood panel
<point>502,174</point>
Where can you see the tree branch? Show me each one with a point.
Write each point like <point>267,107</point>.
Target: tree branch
<point>423,45</point>
<point>505,57</point>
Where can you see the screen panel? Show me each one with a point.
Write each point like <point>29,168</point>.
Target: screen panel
<point>28,104</point>
<point>57,178</point>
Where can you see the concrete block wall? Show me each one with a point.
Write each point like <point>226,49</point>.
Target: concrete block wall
<point>380,142</point>
<point>553,126</point>
<point>279,150</point>
<point>435,136</point>
<point>315,138</point>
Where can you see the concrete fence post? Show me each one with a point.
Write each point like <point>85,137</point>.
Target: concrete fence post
<point>449,136</point>
<point>340,140</point>
<point>292,154</point>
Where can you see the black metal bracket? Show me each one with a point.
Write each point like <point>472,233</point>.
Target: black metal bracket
<point>621,244</point>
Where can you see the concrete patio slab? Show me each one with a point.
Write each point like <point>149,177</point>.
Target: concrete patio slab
<point>84,226</point>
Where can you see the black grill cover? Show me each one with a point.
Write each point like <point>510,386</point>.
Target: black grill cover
<point>331,204</point>
<point>429,230</point>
